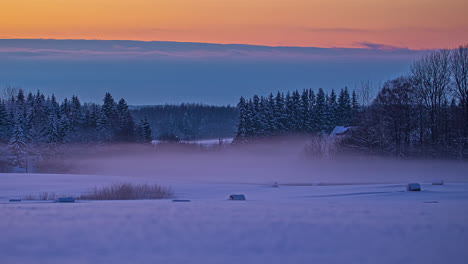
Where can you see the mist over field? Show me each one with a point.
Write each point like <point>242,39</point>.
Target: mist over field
<point>283,161</point>
<point>356,205</point>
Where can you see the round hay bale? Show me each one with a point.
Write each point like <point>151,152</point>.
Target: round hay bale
<point>237,197</point>
<point>413,187</point>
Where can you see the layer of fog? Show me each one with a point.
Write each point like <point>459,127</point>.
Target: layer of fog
<point>262,163</point>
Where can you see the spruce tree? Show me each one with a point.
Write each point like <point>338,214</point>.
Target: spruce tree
<point>331,119</point>
<point>76,114</point>
<point>304,112</point>
<point>17,147</point>
<point>296,113</point>
<point>144,131</point>
<point>344,108</point>
<point>257,128</point>
<point>312,117</point>
<point>250,127</point>
<point>289,111</point>
<point>269,109</point>
<point>187,127</point>
<point>354,106</point>
<point>279,114</point>
<point>54,107</point>
<point>37,117</point>
<point>108,124</point>
<point>320,112</point>
<point>21,109</point>
<point>126,125</point>
<point>241,133</point>
<point>5,123</point>
<point>53,132</point>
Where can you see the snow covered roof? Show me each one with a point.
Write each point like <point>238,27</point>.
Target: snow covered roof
<point>339,130</point>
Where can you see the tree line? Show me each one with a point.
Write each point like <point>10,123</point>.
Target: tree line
<point>296,112</point>
<point>189,121</point>
<point>424,113</point>
<point>39,125</point>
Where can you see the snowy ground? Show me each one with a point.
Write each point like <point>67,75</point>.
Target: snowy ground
<point>202,142</point>
<point>295,223</point>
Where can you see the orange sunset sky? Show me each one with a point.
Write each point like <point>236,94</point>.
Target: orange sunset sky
<point>415,24</point>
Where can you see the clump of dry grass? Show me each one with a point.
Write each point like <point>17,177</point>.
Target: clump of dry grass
<point>128,191</point>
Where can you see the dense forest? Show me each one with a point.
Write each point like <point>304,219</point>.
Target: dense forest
<point>189,121</point>
<point>423,114</point>
<point>37,125</point>
<point>296,112</point>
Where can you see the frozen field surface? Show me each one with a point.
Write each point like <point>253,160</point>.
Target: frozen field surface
<point>295,223</point>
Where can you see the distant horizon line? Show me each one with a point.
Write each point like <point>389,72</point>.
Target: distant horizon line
<point>362,45</point>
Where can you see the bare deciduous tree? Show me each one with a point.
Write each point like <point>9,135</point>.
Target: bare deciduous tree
<point>9,91</point>
<point>459,65</point>
<point>366,92</point>
<point>431,75</point>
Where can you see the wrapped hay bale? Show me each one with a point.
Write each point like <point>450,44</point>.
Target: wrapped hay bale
<point>413,187</point>
<point>65,200</point>
<point>237,197</point>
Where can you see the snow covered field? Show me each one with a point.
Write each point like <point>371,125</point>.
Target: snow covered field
<point>295,223</point>
<point>343,210</point>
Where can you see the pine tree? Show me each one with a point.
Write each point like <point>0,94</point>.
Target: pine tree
<point>269,108</point>
<point>54,105</point>
<point>109,109</point>
<point>65,108</point>
<point>20,98</point>
<point>320,112</point>
<point>20,109</point>
<point>5,123</point>
<point>108,124</point>
<point>144,131</point>
<point>332,111</point>
<point>279,114</point>
<point>250,126</point>
<point>312,116</point>
<point>344,108</point>
<point>92,116</point>
<point>289,111</point>
<point>304,112</point>
<point>30,100</point>
<point>265,122</point>
<point>188,127</point>
<point>17,147</point>
<point>76,114</point>
<point>242,124</point>
<point>296,114</point>
<point>63,128</point>
<point>256,123</point>
<point>37,117</point>
<point>126,125</point>
<point>52,133</point>
<point>354,106</point>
